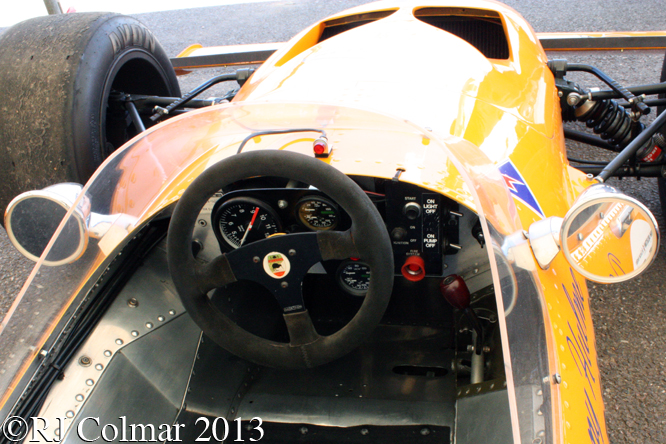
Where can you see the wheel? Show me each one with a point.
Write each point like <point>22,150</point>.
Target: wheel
<point>56,76</point>
<point>661,181</point>
<point>295,253</point>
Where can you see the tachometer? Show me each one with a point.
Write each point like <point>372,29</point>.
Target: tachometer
<point>317,213</point>
<point>354,277</point>
<point>243,220</point>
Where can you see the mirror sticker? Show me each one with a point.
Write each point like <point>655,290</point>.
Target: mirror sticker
<point>641,239</point>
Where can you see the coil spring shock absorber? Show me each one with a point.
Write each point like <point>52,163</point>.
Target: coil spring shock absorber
<point>613,124</point>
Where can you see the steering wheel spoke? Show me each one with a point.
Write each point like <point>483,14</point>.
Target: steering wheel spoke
<point>301,329</point>
<point>336,245</point>
<point>215,274</point>
<point>280,264</point>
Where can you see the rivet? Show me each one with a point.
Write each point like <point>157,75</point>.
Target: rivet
<point>90,382</point>
<point>132,303</point>
<point>284,284</point>
<point>79,397</point>
<point>256,259</point>
<point>85,361</point>
<point>364,431</point>
<point>99,367</point>
<point>282,204</point>
<point>601,215</point>
<point>425,431</point>
<point>69,414</point>
<point>539,392</point>
<point>292,252</point>
<point>580,236</point>
<point>172,312</point>
<point>119,341</point>
<point>557,378</point>
<point>43,353</point>
<point>56,432</point>
<point>303,430</point>
<point>135,333</point>
<point>149,325</point>
<point>160,318</point>
<point>107,353</point>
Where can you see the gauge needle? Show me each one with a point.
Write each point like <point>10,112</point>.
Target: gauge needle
<point>249,227</point>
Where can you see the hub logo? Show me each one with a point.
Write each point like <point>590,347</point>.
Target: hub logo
<point>276,265</point>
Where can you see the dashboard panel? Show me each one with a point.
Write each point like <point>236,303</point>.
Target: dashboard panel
<point>424,227</point>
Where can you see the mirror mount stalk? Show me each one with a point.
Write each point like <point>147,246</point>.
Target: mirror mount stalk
<point>544,237</point>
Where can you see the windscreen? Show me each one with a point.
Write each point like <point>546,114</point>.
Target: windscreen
<point>147,176</point>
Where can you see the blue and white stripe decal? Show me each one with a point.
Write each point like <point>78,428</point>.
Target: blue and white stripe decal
<point>516,184</point>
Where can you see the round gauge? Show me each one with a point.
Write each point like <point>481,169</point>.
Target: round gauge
<point>354,277</point>
<point>317,213</point>
<point>243,220</point>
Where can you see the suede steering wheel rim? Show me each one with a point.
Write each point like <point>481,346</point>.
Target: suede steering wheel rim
<point>366,239</point>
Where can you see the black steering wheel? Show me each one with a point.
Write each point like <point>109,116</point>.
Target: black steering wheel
<point>280,263</point>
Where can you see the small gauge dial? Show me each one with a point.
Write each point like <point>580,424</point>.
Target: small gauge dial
<point>243,220</point>
<point>354,277</point>
<point>317,213</point>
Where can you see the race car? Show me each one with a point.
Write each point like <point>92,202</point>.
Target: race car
<point>311,257</point>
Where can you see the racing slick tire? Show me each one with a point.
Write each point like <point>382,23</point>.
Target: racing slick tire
<point>56,75</point>
<point>661,181</point>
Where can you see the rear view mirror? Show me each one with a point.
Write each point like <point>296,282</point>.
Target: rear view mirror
<point>607,236</point>
<point>32,218</point>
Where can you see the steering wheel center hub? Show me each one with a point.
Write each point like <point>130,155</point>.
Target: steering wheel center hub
<point>276,265</point>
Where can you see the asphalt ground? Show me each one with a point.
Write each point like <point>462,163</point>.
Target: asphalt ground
<point>629,318</point>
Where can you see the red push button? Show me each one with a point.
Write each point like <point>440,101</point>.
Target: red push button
<point>413,269</point>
